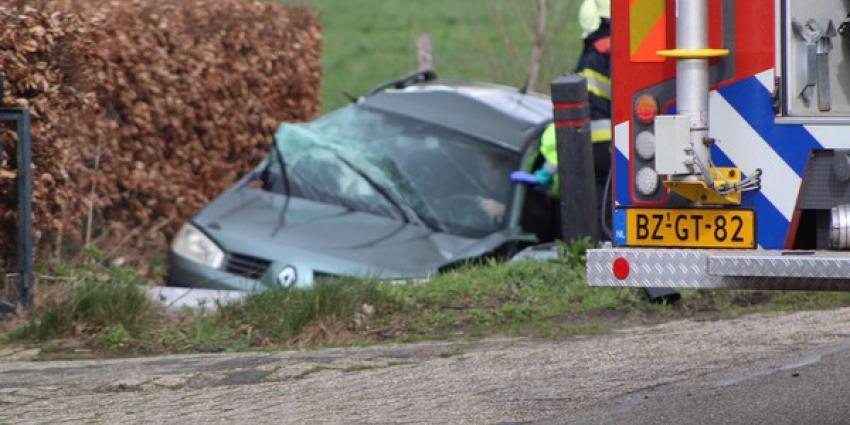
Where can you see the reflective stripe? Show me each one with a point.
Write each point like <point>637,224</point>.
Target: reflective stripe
<point>603,124</point>
<point>550,167</point>
<point>600,131</point>
<point>600,136</point>
<point>647,30</point>
<point>596,76</point>
<point>594,89</point>
<point>597,83</point>
<point>549,145</point>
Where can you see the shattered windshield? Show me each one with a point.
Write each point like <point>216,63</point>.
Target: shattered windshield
<point>399,167</point>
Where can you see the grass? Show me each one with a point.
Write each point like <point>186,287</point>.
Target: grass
<point>100,299</point>
<point>106,312</point>
<point>282,315</point>
<point>370,41</point>
<point>519,299</point>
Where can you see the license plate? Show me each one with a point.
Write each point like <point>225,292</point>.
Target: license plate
<point>691,228</point>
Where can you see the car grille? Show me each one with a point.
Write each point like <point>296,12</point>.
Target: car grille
<point>318,275</point>
<point>246,266</point>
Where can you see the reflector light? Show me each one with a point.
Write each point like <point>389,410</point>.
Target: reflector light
<point>646,108</point>
<point>646,181</point>
<point>621,268</point>
<point>645,145</point>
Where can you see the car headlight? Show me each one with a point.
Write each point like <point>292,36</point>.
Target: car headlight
<point>192,244</point>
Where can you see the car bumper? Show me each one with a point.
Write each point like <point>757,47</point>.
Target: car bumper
<point>186,273</point>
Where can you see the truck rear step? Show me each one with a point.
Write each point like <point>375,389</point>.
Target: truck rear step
<point>732,269</point>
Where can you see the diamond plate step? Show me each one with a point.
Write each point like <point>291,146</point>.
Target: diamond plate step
<point>700,268</point>
<point>788,264</point>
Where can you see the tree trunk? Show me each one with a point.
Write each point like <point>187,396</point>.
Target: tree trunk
<point>537,46</point>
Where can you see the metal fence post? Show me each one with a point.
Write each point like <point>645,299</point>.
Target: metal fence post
<point>25,236</point>
<point>579,213</point>
<point>25,250</point>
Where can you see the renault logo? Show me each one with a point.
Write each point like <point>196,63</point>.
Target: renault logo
<point>287,277</point>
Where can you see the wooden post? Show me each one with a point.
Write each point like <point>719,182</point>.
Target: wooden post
<point>424,52</point>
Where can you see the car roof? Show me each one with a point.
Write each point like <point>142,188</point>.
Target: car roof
<point>498,114</point>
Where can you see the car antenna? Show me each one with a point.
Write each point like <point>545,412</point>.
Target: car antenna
<point>523,89</point>
<point>351,98</point>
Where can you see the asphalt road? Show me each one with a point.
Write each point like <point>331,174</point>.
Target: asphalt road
<point>766,369</point>
<point>815,389</point>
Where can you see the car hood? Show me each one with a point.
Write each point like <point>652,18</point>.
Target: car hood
<point>330,239</point>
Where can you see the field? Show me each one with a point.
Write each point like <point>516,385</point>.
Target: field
<point>370,41</point>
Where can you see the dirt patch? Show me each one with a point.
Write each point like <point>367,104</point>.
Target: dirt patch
<point>750,299</point>
<point>324,332</point>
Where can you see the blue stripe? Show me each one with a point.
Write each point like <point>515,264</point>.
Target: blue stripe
<point>622,175</point>
<point>620,227</point>
<point>771,225</point>
<point>792,142</point>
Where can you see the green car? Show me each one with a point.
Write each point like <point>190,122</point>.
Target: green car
<point>408,181</point>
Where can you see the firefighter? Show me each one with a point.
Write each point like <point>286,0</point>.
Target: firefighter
<point>595,65</point>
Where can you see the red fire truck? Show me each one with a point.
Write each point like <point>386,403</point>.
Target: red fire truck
<point>731,145</point>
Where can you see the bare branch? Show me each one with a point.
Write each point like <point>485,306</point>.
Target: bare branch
<point>537,46</point>
<point>508,41</point>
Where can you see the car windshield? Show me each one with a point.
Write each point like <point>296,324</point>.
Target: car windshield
<point>399,167</point>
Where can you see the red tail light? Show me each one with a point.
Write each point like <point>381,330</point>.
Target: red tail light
<point>646,108</point>
<point>621,268</point>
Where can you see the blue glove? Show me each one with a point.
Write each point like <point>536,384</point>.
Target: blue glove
<point>524,178</point>
<point>541,177</point>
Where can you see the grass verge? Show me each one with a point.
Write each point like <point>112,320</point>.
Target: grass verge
<point>107,303</point>
<point>105,311</point>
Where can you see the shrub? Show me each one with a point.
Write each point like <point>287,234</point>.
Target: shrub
<point>143,110</point>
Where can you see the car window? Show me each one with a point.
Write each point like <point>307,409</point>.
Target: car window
<point>458,182</point>
<point>321,176</point>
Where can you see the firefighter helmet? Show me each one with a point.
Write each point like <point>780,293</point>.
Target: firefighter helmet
<point>603,8</point>
<point>588,17</point>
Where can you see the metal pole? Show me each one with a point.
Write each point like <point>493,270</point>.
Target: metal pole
<point>692,74</point>
<point>579,212</point>
<point>25,236</point>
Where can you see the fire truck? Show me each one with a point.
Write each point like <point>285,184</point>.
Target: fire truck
<point>731,153</point>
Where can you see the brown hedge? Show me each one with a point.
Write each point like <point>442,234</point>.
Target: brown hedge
<point>146,109</point>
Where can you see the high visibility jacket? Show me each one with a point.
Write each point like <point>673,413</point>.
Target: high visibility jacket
<point>595,66</point>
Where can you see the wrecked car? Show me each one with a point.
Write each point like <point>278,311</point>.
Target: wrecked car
<point>407,181</point>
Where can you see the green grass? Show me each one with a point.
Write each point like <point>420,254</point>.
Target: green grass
<point>370,41</point>
<point>521,299</point>
<point>105,310</point>
<point>282,315</point>
<point>108,300</point>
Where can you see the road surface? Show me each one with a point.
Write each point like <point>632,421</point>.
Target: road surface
<point>777,369</point>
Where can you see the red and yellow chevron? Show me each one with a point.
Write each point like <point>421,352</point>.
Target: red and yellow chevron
<point>647,30</point>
